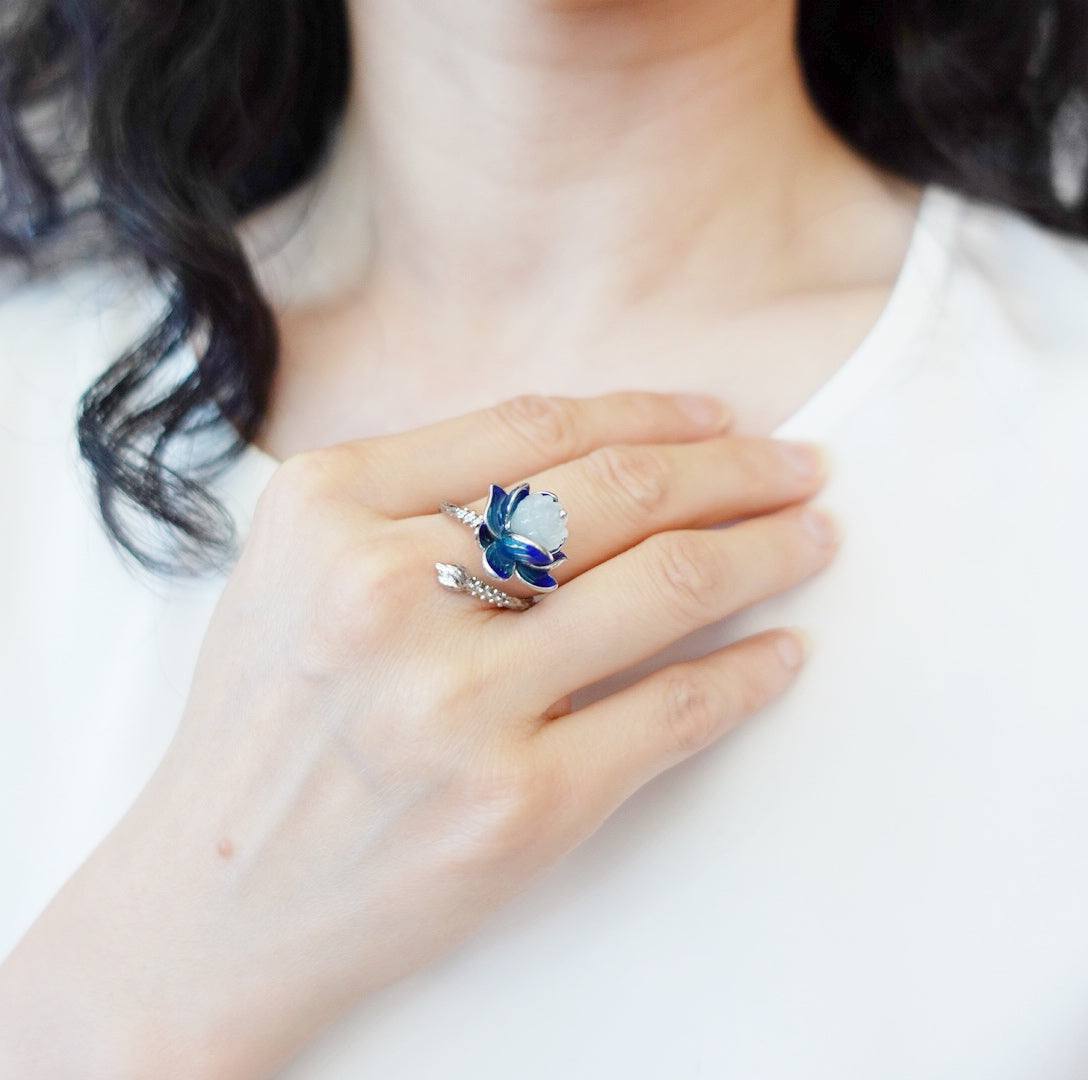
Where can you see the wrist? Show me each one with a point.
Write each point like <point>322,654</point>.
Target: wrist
<point>79,997</point>
<point>125,974</point>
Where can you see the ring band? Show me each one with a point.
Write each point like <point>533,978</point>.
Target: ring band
<point>459,579</point>
<point>520,535</point>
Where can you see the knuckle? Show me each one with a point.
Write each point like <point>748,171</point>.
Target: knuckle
<point>636,476</point>
<point>751,689</point>
<point>542,421</point>
<point>693,711</point>
<point>299,486</point>
<point>373,584</point>
<point>754,463</point>
<point>371,468</point>
<point>690,573</point>
<point>452,683</point>
<point>360,598</point>
<point>509,808</point>
<point>299,521</point>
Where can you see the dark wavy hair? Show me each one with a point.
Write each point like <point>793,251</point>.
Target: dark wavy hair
<point>132,129</point>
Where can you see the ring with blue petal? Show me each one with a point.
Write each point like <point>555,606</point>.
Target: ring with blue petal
<point>522,534</point>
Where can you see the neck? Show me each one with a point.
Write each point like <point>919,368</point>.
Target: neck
<point>589,154</point>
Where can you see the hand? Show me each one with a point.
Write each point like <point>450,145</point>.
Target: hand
<point>369,765</point>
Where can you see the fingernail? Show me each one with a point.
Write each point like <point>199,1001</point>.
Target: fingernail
<point>807,459</point>
<point>820,525</point>
<point>794,647</point>
<point>708,412</point>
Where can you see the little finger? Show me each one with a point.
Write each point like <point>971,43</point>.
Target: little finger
<point>609,749</point>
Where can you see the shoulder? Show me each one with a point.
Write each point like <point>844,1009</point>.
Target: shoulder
<point>997,376</point>
<point>1012,284</point>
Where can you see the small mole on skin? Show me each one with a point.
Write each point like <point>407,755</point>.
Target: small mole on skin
<point>225,848</point>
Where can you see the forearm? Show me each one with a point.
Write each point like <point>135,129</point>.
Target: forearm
<point>66,1010</point>
<point>73,1000</point>
<point>127,973</point>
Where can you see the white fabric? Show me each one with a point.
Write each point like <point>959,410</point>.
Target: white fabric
<point>884,875</point>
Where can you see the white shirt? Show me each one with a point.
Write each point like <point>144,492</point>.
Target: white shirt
<point>883,875</point>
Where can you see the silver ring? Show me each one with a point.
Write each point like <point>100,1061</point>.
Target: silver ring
<point>520,535</point>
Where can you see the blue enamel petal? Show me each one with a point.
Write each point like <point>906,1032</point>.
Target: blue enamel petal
<point>523,550</point>
<point>498,563</point>
<point>538,579</point>
<point>512,500</point>
<point>495,514</point>
<point>557,558</point>
<point>484,535</point>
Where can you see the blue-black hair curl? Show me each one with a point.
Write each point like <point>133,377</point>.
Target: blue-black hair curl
<point>147,129</point>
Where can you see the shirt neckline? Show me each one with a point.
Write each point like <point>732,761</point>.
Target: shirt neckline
<point>908,313</point>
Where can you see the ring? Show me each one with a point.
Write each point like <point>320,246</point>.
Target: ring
<point>520,534</point>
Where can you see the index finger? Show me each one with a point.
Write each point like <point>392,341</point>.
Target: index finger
<point>457,460</point>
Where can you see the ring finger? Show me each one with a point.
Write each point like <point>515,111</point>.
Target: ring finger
<point>618,496</point>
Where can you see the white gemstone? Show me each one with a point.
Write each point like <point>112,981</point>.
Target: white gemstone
<point>541,519</point>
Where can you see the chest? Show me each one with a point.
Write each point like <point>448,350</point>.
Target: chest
<point>349,373</point>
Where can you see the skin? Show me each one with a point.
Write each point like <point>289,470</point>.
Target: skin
<point>356,784</point>
<point>572,198</point>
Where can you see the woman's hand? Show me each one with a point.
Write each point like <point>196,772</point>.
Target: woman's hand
<point>369,765</point>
